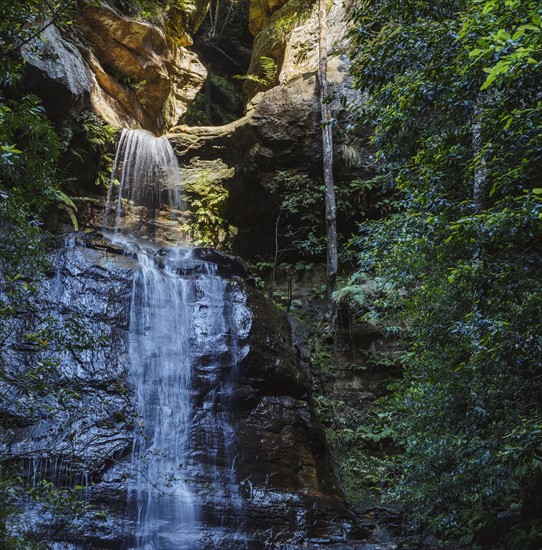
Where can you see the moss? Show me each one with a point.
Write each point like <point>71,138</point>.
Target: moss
<point>180,17</point>
<point>184,18</point>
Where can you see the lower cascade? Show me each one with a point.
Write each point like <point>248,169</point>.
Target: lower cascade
<point>161,373</point>
<point>177,324</point>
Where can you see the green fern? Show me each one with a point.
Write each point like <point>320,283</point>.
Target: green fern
<point>269,68</point>
<point>251,78</point>
<point>73,219</point>
<point>60,198</point>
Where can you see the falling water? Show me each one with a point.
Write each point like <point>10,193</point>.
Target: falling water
<point>160,362</point>
<point>145,185</point>
<point>181,327</point>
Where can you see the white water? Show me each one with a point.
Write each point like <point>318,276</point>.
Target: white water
<point>145,176</point>
<point>176,322</point>
<point>179,316</point>
<point>160,362</point>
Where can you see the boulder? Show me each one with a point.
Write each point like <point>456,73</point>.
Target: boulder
<point>58,73</point>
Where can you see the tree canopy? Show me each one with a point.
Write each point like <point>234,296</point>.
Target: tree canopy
<point>454,96</point>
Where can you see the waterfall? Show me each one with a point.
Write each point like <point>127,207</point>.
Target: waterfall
<point>144,197</point>
<point>181,327</point>
<point>160,363</point>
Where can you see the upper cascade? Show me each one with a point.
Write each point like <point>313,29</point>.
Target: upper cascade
<point>145,196</point>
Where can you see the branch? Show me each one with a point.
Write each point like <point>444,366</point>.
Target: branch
<point>53,20</point>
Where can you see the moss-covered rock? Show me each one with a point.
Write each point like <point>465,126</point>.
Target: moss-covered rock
<point>260,13</point>
<point>184,18</point>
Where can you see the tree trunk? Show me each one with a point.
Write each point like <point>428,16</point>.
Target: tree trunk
<point>208,98</point>
<point>327,154</point>
<point>480,175</point>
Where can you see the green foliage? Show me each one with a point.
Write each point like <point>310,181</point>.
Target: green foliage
<point>251,78</point>
<point>455,101</point>
<point>30,154</point>
<point>300,202</point>
<point>301,207</point>
<point>18,23</point>
<point>269,68</point>
<point>31,150</point>
<point>358,429</point>
<point>227,103</point>
<point>269,73</point>
<point>196,115</point>
<point>292,14</point>
<point>150,10</point>
<point>207,225</point>
<point>101,138</point>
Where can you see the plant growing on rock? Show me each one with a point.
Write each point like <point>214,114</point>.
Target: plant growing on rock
<point>101,139</point>
<point>207,226</point>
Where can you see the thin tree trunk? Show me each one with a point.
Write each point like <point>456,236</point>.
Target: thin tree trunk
<point>208,98</point>
<point>271,288</point>
<point>327,154</point>
<point>480,175</point>
<point>479,310</point>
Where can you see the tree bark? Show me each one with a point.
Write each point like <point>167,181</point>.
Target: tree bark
<point>327,155</point>
<point>208,98</point>
<point>480,174</point>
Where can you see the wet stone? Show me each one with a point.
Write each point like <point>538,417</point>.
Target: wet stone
<point>191,427</point>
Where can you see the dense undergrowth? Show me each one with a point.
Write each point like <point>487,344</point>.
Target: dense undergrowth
<point>454,96</point>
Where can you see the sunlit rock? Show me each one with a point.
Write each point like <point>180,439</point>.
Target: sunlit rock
<point>148,79</point>
<point>288,37</point>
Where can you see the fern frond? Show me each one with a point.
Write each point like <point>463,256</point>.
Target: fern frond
<point>251,78</point>
<point>60,197</point>
<point>269,68</point>
<point>73,218</point>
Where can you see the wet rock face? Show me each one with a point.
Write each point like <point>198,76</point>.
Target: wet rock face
<point>258,466</point>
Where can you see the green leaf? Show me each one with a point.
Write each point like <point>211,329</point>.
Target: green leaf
<point>489,80</point>
<point>529,27</point>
